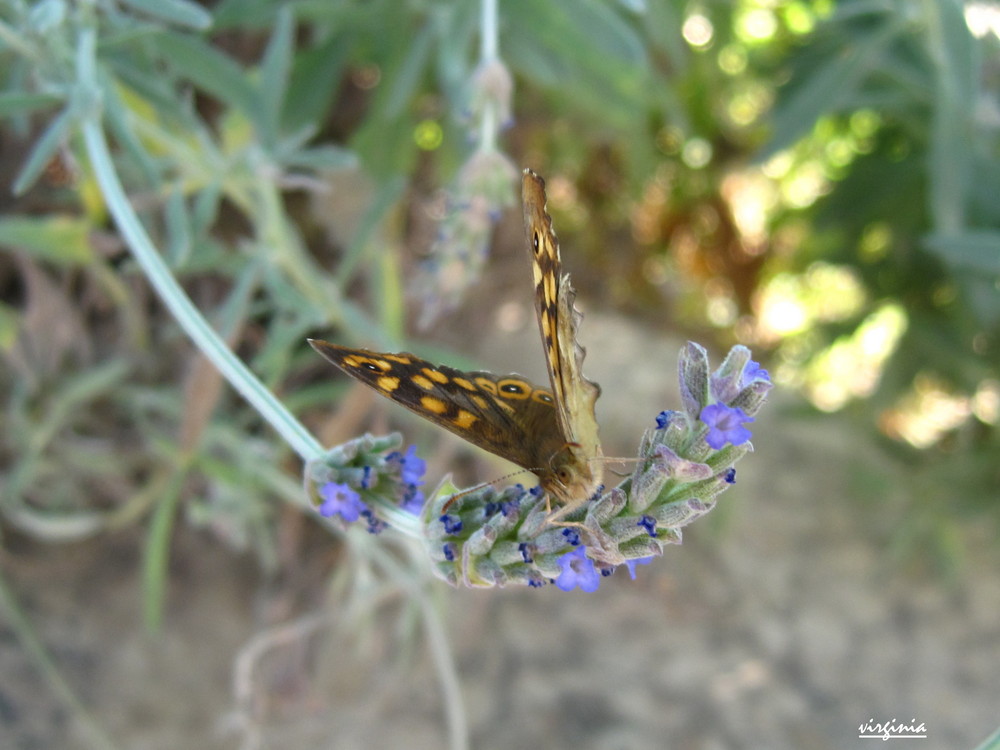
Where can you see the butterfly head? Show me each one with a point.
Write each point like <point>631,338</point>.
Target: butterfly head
<point>570,477</point>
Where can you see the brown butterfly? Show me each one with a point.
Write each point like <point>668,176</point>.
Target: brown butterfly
<point>550,432</point>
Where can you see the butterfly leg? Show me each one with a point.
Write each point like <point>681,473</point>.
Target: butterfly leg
<point>554,517</point>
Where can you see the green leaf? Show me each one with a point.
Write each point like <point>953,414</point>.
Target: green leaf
<point>118,119</point>
<point>156,555</point>
<point>43,151</point>
<point>20,103</point>
<point>274,73</point>
<point>179,12</point>
<point>208,69</point>
<point>832,87</point>
<point>663,24</point>
<point>60,239</point>
<point>178,226</point>
<point>408,72</point>
<point>322,157</point>
<point>951,48</point>
<point>314,82</point>
<point>584,52</point>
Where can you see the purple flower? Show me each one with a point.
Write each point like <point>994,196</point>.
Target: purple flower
<point>630,564</point>
<point>412,467</point>
<point>411,471</point>
<point>662,419</point>
<point>573,537</point>
<point>753,371</point>
<point>649,524</point>
<point>413,500</point>
<point>452,524</point>
<point>340,498</point>
<point>730,475</point>
<point>578,570</point>
<point>449,552</point>
<point>375,525</point>
<point>525,549</point>
<point>725,425</point>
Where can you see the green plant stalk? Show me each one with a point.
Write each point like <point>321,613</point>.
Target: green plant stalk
<point>180,305</point>
<point>992,742</point>
<point>488,39</point>
<point>157,549</point>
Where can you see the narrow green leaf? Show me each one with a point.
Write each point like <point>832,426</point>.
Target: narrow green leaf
<point>407,74</point>
<point>43,151</point>
<point>388,284</point>
<point>828,90</point>
<point>322,157</point>
<point>179,12</point>
<point>157,552</point>
<point>663,24</point>
<point>314,82</point>
<point>20,103</point>
<point>245,14</point>
<point>178,228</point>
<point>585,52</point>
<point>119,123</point>
<point>589,31</point>
<point>274,73</point>
<point>60,239</point>
<point>956,70</point>
<point>206,208</point>
<point>208,69</point>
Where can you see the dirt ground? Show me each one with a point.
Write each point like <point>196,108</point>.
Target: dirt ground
<point>781,622</point>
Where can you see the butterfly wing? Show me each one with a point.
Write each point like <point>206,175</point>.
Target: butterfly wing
<point>576,475</point>
<point>505,415</point>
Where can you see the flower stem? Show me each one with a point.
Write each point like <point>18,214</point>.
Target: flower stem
<point>180,305</point>
<point>488,44</point>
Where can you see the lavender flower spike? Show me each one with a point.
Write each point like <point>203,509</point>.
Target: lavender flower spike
<point>488,537</point>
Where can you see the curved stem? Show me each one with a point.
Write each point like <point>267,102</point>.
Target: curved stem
<point>180,305</point>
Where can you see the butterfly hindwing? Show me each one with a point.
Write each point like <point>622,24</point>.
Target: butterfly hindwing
<point>505,415</point>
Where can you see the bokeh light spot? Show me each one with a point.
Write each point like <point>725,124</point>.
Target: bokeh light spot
<point>697,153</point>
<point>697,30</point>
<point>428,135</point>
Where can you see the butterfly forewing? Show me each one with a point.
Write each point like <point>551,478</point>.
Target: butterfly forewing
<point>552,433</point>
<point>505,415</point>
<point>557,320</point>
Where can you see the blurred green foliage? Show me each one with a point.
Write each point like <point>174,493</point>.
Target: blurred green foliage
<point>717,153</point>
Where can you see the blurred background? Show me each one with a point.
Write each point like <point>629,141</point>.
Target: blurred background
<point>817,180</point>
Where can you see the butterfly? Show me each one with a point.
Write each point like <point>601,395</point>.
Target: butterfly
<point>552,431</point>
